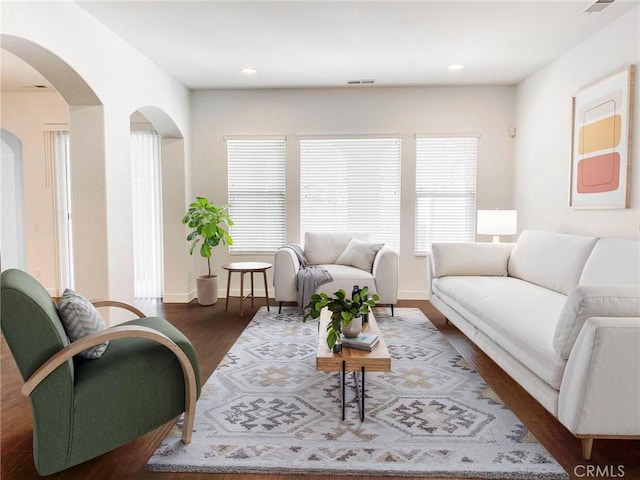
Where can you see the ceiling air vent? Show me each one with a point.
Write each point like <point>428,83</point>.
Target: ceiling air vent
<point>598,6</point>
<point>360,82</point>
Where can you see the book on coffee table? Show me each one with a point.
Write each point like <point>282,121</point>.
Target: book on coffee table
<point>364,341</point>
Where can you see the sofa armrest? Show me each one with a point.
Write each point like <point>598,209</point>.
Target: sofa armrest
<point>600,390</point>
<point>463,259</point>
<point>385,273</point>
<point>285,270</point>
<point>586,301</point>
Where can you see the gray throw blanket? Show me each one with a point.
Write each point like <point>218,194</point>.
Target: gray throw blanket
<point>309,277</point>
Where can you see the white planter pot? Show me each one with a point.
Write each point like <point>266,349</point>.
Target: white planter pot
<point>353,329</point>
<point>207,289</point>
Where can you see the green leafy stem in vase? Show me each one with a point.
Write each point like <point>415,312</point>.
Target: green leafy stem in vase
<point>342,309</point>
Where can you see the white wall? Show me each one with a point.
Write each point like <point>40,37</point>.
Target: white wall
<point>124,81</point>
<point>543,142</point>
<point>25,115</point>
<point>11,203</point>
<point>489,111</point>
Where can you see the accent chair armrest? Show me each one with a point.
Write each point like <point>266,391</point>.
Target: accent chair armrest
<point>113,303</point>
<point>115,333</point>
<point>385,273</point>
<point>285,270</point>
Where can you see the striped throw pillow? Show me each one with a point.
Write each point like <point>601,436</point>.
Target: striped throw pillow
<point>80,318</point>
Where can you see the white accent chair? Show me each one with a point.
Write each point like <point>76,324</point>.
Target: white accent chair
<point>325,249</point>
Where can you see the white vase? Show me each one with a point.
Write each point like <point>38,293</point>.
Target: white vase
<point>207,289</point>
<point>354,328</point>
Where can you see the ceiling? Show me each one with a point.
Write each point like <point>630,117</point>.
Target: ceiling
<point>298,44</point>
<point>19,76</point>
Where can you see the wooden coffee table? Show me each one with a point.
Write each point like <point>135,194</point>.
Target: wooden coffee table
<point>351,359</point>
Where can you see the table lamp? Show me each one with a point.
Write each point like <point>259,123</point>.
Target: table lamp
<point>497,222</point>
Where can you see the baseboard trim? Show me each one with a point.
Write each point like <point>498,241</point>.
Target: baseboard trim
<point>413,295</point>
<point>179,297</point>
<point>259,292</point>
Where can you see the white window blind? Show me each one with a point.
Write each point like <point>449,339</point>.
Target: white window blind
<point>445,190</point>
<point>147,214</point>
<point>351,185</point>
<point>57,160</point>
<point>257,194</point>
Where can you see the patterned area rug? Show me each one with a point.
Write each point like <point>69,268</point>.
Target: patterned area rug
<point>267,410</point>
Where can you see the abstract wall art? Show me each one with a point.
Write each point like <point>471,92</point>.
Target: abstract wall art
<point>601,142</point>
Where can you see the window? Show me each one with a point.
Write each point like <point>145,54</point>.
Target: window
<point>256,194</point>
<point>351,185</point>
<point>147,214</point>
<point>445,190</point>
<point>57,158</point>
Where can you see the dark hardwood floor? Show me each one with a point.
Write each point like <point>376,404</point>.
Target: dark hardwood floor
<point>213,332</point>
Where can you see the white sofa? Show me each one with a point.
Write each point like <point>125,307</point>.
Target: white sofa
<point>325,249</point>
<point>560,314</point>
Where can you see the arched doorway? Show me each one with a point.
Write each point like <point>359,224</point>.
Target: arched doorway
<point>85,119</point>
<point>160,181</point>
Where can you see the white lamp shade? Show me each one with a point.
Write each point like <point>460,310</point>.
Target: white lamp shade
<point>497,222</point>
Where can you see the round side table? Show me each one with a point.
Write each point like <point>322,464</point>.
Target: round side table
<point>242,268</point>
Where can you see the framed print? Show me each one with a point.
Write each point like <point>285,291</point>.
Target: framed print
<point>601,142</point>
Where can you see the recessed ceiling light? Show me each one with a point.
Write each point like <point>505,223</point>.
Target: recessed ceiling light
<point>249,71</point>
<point>456,66</point>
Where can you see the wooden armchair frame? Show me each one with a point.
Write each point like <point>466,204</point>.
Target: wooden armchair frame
<point>114,333</point>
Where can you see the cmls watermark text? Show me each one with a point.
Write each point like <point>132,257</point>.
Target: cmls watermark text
<point>599,471</point>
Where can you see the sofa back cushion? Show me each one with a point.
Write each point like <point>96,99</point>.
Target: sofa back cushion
<point>551,260</point>
<point>322,247</point>
<point>613,262</point>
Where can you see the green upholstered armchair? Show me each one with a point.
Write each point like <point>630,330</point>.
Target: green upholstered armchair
<point>83,408</point>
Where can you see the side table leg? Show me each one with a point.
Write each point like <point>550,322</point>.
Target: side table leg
<point>252,296</point>
<point>266,289</point>
<point>241,291</point>
<point>226,303</point>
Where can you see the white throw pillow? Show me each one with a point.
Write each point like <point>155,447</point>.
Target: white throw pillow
<point>80,318</point>
<point>359,254</point>
<point>465,259</point>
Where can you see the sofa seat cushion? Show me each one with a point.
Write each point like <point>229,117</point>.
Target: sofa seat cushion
<point>345,277</point>
<point>519,316</point>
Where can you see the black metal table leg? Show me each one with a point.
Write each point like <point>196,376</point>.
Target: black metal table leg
<point>343,382</point>
<point>359,386</point>
<point>362,396</point>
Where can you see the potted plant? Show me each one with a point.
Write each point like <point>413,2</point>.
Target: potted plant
<point>207,222</point>
<point>343,311</point>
